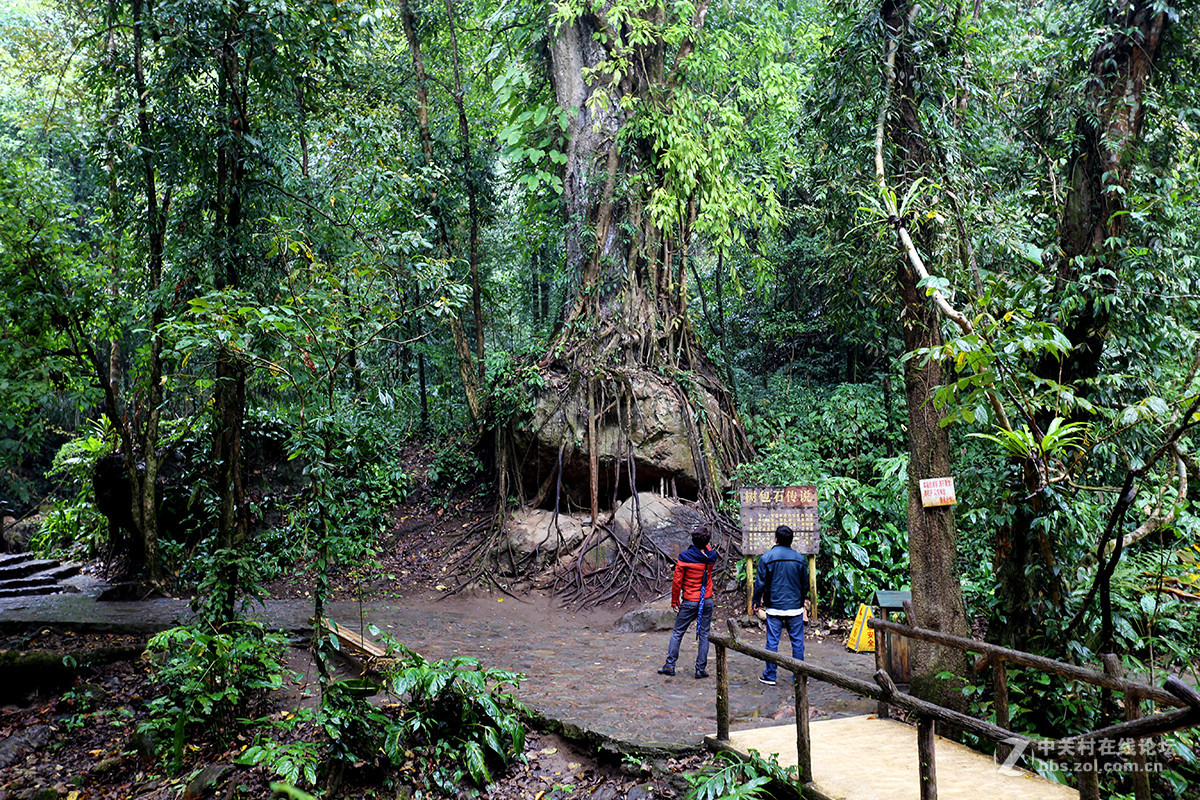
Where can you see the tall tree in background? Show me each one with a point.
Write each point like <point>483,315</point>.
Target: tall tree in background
<point>932,537</point>
<point>1086,269</point>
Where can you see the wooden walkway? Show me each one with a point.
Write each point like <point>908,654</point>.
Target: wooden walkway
<point>867,758</point>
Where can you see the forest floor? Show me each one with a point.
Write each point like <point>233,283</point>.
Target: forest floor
<point>80,740</point>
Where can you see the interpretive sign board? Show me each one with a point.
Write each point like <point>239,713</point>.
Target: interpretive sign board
<point>937,492</point>
<point>765,508</point>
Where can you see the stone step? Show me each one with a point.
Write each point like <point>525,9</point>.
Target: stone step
<point>25,568</point>
<point>59,573</point>
<point>32,582</point>
<point>13,558</point>
<point>31,591</point>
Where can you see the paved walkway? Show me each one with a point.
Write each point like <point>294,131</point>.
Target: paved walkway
<point>579,672</point>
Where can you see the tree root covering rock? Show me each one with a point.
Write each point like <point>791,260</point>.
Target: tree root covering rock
<point>641,428</point>
<point>630,554</point>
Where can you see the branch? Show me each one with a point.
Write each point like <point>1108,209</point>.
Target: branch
<point>914,257</point>
<point>1157,519</point>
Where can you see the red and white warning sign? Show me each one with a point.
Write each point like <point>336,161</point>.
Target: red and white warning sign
<point>937,492</point>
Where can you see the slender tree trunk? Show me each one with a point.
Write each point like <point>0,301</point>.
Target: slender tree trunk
<point>932,537</point>
<point>471,376</point>
<point>144,481</point>
<point>472,187</point>
<point>229,394</point>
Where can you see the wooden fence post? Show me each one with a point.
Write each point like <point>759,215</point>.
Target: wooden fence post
<point>722,694</point>
<point>1089,781</point>
<point>803,750</point>
<point>881,707</point>
<point>1000,686</point>
<point>927,762</point>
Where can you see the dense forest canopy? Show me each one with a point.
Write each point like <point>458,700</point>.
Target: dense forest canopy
<point>839,242</point>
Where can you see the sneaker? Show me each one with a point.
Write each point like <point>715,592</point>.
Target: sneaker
<point>701,674</point>
<point>767,681</point>
<point>668,671</point>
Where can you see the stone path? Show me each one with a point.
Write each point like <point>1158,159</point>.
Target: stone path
<point>579,672</point>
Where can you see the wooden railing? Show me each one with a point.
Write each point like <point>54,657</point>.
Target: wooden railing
<point>883,690</point>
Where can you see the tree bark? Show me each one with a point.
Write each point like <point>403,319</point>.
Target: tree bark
<point>932,536</point>
<point>626,301</point>
<point>144,481</point>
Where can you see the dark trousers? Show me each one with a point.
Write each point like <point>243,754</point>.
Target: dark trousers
<point>688,611</point>
<point>795,629</point>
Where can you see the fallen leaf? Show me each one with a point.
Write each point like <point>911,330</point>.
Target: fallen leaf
<point>548,751</point>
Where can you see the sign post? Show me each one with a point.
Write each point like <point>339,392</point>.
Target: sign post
<point>765,508</point>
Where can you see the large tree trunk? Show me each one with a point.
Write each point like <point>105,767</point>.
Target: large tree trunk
<point>932,539</point>
<point>1097,182</point>
<point>629,400</point>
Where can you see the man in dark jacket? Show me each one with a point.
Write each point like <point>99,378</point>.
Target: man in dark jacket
<point>692,599</point>
<point>780,589</point>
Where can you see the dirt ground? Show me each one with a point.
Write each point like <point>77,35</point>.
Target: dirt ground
<point>79,740</point>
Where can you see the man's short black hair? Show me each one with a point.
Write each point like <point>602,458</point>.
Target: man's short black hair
<point>783,535</point>
<point>701,537</point>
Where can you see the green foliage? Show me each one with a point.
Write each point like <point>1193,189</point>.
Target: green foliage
<point>296,762</point>
<point>730,777</point>
<point>458,721</point>
<point>73,519</point>
<point>208,678</point>
<point>454,466</point>
<point>354,727</point>
<point>839,439</point>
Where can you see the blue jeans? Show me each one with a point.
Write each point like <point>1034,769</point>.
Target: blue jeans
<point>795,627</point>
<point>688,610</point>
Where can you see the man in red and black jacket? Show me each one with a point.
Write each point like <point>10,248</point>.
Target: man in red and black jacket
<point>692,599</point>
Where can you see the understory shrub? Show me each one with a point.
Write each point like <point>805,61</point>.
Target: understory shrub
<point>73,521</point>
<point>731,777</point>
<point>209,677</point>
<point>458,721</point>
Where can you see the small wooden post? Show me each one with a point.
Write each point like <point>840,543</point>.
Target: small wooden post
<point>749,585</point>
<point>1141,778</point>
<point>722,694</point>
<point>1089,782</point>
<point>1133,710</point>
<point>803,751</point>
<point>1000,687</point>
<point>881,707</point>
<point>927,762</point>
<point>812,585</point>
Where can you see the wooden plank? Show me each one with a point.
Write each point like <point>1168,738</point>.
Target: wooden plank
<point>864,758</point>
<point>1083,674</point>
<point>366,653</point>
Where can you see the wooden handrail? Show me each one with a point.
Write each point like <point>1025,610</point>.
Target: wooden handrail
<point>994,651</point>
<point>885,691</point>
